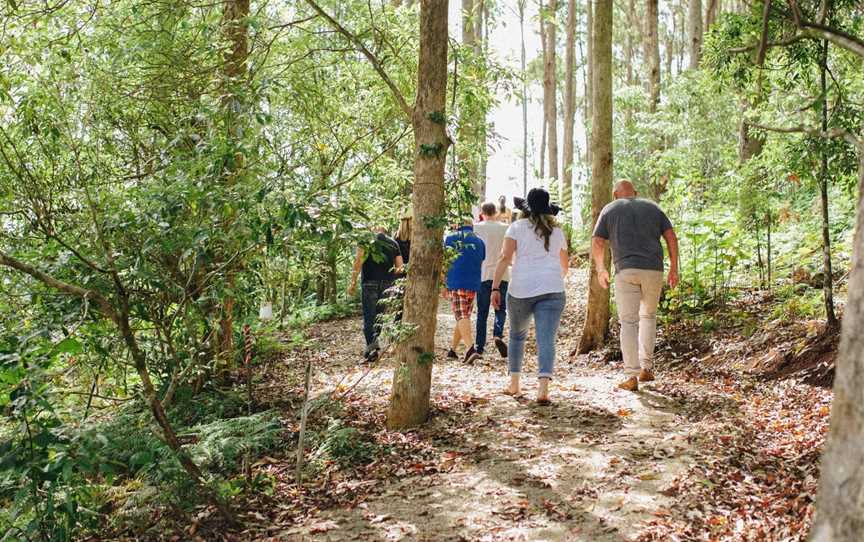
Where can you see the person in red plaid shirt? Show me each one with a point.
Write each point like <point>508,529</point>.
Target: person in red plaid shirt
<point>463,283</point>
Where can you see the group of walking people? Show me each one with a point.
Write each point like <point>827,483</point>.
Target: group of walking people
<point>518,268</point>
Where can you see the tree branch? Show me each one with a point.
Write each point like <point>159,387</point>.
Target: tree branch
<point>806,30</point>
<point>833,133</point>
<point>376,64</point>
<point>100,300</point>
<point>763,40</point>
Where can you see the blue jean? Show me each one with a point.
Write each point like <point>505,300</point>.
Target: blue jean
<point>546,310</point>
<point>484,298</point>
<point>373,293</point>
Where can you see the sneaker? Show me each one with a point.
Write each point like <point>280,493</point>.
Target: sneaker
<point>471,355</point>
<point>372,356</point>
<point>646,375</point>
<point>501,346</point>
<point>451,354</point>
<point>631,384</point>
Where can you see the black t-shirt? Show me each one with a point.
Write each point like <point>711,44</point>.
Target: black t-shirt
<point>404,249</point>
<point>380,259</point>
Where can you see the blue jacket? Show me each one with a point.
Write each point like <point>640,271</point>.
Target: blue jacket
<point>464,273</point>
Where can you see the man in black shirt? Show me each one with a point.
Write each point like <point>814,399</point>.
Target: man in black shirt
<point>377,268</point>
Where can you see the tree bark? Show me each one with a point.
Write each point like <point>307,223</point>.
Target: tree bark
<point>235,27</point>
<point>652,54</point>
<point>589,90</point>
<point>711,14</point>
<point>550,98</point>
<point>827,280</point>
<point>629,53</point>
<point>524,100</point>
<point>694,32</point>
<point>597,317</point>
<point>409,401</point>
<point>569,111</point>
<point>469,129</point>
<point>840,503</point>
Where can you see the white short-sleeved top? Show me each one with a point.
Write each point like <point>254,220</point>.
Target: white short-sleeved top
<point>535,270</point>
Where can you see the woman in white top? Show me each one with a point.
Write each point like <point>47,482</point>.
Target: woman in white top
<point>538,251</point>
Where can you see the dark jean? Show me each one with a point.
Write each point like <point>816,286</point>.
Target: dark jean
<point>484,298</point>
<point>373,293</point>
<point>546,310</point>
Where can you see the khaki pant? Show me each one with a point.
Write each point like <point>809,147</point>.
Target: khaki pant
<point>637,293</point>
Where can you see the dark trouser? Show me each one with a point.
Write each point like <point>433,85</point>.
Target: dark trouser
<point>373,293</point>
<point>484,298</point>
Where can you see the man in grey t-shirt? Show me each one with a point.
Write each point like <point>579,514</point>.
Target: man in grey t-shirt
<point>634,227</point>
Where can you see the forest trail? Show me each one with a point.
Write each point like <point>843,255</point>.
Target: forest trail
<point>589,467</point>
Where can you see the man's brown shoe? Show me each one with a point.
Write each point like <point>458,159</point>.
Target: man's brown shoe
<point>646,375</point>
<point>631,384</point>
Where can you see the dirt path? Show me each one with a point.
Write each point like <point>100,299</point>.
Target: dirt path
<point>589,467</point>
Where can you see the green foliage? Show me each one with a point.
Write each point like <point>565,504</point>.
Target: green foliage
<point>343,445</point>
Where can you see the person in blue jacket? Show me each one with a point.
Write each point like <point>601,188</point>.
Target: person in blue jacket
<point>463,283</point>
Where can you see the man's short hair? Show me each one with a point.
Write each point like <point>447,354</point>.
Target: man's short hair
<point>489,209</point>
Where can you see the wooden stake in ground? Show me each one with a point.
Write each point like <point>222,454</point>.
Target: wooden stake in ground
<point>304,415</point>
<point>597,317</point>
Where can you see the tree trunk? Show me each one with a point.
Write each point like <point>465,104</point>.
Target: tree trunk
<point>768,249</point>
<point>544,124</point>
<point>524,101</point>
<point>409,402</point>
<point>468,123</point>
<point>670,50</point>
<point>550,90</point>
<point>694,32</point>
<point>827,281</point>
<point>711,14</point>
<point>569,111</point>
<point>840,504</point>
<point>652,54</point>
<point>597,318</point>
<point>629,54</point>
<point>235,27</point>
<point>589,90</point>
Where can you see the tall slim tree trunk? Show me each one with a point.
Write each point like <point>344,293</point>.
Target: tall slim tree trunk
<point>469,129</point>
<point>670,49</point>
<point>629,54</point>
<point>481,28</point>
<point>694,32</point>
<point>544,131</point>
<point>409,401</point>
<point>652,54</point>
<point>235,27</point>
<point>569,111</point>
<point>524,100</point>
<point>711,13</point>
<point>840,503</point>
<point>550,90</point>
<point>828,279</point>
<point>597,317</point>
<point>589,90</point>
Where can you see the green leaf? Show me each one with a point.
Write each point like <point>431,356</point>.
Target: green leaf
<point>69,345</point>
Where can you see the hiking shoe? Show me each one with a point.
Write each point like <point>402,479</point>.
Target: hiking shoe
<point>631,384</point>
<point>471,355</point>
<point>646,375</point>
<point>371,356</point>
<point>451,354</point>
<point>501,346</point>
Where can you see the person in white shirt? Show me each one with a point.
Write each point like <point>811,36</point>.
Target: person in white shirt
<point>492,232</point>
<point>538,251</point>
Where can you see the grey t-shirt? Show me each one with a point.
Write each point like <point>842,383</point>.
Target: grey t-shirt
<point>633,227</point>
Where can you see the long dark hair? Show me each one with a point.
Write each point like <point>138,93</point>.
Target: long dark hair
<point>540,213</point>
<point>544,225</point>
